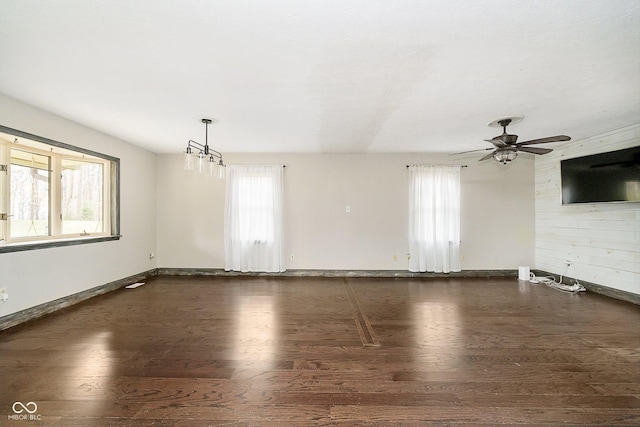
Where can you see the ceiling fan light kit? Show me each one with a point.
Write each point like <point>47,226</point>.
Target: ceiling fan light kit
<point>506,146</point>
<point>505,155</point>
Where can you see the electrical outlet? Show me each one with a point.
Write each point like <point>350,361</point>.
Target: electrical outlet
<point>567,262</point>
<point>151,256</point>
<point>4,294</point>
<point>292,257</point>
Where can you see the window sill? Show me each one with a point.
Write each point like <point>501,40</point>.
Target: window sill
<point>45,244</point>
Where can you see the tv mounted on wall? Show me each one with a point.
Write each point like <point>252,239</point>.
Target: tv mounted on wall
<point>605,177</point>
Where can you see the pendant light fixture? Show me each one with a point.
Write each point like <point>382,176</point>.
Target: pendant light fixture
<point>204,159</point>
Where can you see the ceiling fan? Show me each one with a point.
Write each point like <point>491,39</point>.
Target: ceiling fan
<point>505,147</point>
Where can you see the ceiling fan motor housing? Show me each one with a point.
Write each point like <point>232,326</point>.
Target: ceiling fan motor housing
<point>508,138</point>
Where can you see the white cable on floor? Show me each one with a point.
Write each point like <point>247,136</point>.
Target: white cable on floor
<point>550,281</point>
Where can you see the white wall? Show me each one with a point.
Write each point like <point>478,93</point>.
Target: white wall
<point>38,276</point>
<point>497,212</point>
<point>602,240</point>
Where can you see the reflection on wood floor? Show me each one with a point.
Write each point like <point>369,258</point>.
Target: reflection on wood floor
<point>185,351</point>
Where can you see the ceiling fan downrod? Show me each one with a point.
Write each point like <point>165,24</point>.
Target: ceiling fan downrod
<point>504,123</point>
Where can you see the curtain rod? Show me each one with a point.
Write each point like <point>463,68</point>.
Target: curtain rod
<point>462,166</point>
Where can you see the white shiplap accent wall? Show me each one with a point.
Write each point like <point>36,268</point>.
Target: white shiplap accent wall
<point>602,240</point>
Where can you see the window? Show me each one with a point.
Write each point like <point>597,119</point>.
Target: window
<point>253,230</point>
<point>29,178</point>
<point>54,194</point>
<point>434,218</point>
<point>255,208</point>
<point>82,202</point>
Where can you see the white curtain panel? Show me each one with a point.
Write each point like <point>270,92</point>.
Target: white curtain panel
<point>253,226</point>
<point>434,218</point>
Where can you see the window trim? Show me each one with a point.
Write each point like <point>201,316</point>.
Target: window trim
<point>66,240</point>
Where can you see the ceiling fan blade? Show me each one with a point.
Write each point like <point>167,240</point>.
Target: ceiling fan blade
<point>535,150</point>
<point>488,156</point>
<point>497,141</point>
<point>547,139</point>
<point>472,151</point>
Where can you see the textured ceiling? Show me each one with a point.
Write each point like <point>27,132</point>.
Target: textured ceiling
<point>332,76</point>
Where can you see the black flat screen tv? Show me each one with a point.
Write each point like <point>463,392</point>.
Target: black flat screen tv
<point>605,177</point>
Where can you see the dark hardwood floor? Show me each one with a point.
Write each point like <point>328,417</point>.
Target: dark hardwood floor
<point>185,351</point>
